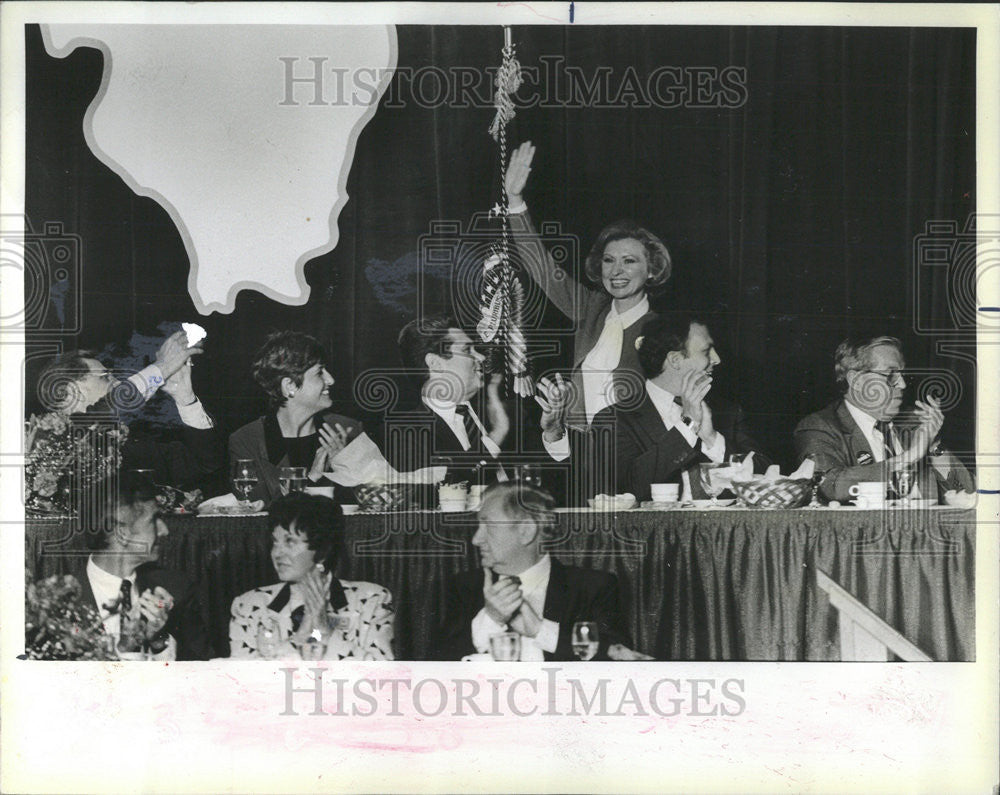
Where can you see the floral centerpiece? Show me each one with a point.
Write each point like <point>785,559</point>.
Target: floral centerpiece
<point>61,454</point>
<point>58,625</point>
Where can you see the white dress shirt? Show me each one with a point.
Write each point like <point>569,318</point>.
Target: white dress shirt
<point>866,422</point>
<point>671,414</point>
<point>558,450</point>
<point>107,590</point>
<point>597,368</point>
<point>534,586</point>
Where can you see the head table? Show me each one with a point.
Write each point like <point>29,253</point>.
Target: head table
<point>721,584</point>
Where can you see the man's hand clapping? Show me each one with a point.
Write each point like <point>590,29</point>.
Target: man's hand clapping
<point>502,599</point>
<point>553,398</point>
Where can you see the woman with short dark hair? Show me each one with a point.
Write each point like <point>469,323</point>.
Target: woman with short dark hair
<point>310,606</point>
<point>298,431</point>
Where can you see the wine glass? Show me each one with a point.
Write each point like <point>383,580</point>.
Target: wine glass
<point>585,639</point>
<point>268,638</point>
<point>505,647</point>
<point>244,479</point>
<point>902,483</point>
<point>314,647</point>
<point>710,480</point>
<point>291,479</point>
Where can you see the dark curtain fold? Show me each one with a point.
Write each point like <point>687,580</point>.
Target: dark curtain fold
<point>726,585</point>
<point>791,216</point>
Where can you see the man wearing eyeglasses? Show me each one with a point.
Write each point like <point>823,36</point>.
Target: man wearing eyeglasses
<point>863,437</point>
<point>77,385</point>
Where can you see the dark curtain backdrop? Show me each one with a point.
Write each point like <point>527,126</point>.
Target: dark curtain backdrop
<point>791,218</point>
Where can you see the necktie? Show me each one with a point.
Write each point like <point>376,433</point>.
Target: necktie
<point>471,429</point>
<point>888,443</point>
<point>125,598</point>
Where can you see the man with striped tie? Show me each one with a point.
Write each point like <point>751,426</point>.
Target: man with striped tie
<point>459,422</point>
<point>864,437</point>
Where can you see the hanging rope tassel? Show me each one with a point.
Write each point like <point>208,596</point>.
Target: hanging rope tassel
<point>502,294</point>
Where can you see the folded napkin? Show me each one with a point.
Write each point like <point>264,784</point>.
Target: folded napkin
<point>228,503</point>
<point>362,463</point>
<point>960,499</point>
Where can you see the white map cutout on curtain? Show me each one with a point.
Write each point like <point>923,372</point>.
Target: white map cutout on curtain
<point>209,121</point>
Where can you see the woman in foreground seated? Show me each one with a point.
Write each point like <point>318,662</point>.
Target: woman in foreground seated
<point>310,611</point>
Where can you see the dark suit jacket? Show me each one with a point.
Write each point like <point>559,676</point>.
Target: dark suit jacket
<point>261,441</point>
<point>186,622</point>
<point>844,457</point>
<point>574,594</point>
<point>419,438</point>
<point>647,452</point>
<point>587,308</point>
<point>185,458</point>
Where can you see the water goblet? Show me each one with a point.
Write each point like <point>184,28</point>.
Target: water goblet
<point>505,647</point>
<point>585,639</point>
<point>711,482</point>
<point>244,479</point>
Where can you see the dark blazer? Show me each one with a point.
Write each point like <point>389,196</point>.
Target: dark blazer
<point>647,452</point>
<point>844,457</point>
<point>574,594</point>
<point>186,622</point>
<point>419,438</point>
<point>587,308</point>
<point>185,457</point>
<point>261,440</point>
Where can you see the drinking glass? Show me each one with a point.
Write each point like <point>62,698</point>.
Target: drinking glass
<point>902,482</point>
<point>530,475</point>
<point>710,480</point>
<point>291,479</point>
<point>505,646</point>
<point>268,639</point>
<point>314,647</point>
<point>244,479</point>
<point>585,640</point>
<point>131,643</point>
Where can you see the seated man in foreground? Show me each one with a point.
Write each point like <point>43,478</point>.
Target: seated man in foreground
<point>863,437</point>
<point>148,610</point>
<point>525,590</point>
<point>676,425</point>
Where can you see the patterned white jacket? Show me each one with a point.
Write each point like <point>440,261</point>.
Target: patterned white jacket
<point>362,614</point>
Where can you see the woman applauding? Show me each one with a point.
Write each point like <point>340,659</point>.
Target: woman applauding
<point>310,612</point>
<point>627,261</point>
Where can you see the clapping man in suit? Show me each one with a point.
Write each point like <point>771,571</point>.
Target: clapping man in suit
<point>124,580</point>
<point>863,437</point>
<point>520,588</point>
<point>677,423</point>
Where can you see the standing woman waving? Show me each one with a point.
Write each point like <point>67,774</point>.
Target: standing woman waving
<point>627,261</point>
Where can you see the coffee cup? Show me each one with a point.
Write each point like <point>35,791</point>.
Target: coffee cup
<point>665,492</point>
<point>868,494</point>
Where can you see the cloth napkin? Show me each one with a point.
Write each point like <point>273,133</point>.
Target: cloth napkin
<point>362,463</point>
<point>228,503</point>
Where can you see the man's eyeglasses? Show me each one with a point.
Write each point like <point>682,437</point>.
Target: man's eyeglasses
<point>892,377</point>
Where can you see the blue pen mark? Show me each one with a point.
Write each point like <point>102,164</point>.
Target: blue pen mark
<point>571,13</point>
<point>989,491</point>
<point>989,309</point>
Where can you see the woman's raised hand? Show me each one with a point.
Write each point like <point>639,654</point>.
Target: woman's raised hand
<point>518,170</point>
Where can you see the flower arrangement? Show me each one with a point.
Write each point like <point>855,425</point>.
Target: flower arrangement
<point>58,625</point>
<point>62,454</point>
